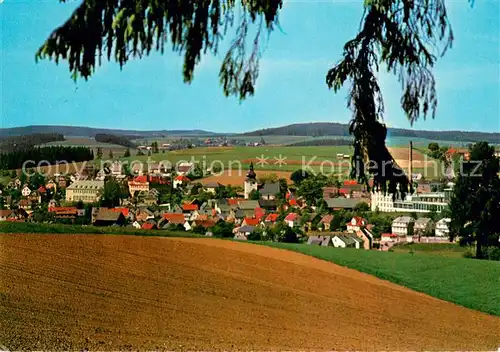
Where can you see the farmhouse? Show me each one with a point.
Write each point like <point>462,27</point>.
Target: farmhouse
<point>324,241</point>
<point>212,187</point>
<point>292,219</point>
<point>326,221</point>
<point>5,214</point>
<point>342,241</point>
<point>106,217</point>
<point>423,226</point>
<point>243,232</point>
<point>356,224</point>
<point>403,226</point>
<point>181,181</point>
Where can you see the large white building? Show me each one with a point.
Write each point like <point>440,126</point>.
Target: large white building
<point>419,203</point>
<point>86,191</point>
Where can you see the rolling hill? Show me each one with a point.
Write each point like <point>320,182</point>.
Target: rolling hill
<point>318,129</point>
<point>79,131</point>
<point>313,129</point>
<point>94,292</point>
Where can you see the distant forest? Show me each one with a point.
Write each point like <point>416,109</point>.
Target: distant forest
<point>113,139</point>
<point>338,129</point>
<point>10,144</point>
<point>15,159</point>
<point>321,142</point>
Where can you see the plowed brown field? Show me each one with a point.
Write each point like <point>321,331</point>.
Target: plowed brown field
<point>126,292</point>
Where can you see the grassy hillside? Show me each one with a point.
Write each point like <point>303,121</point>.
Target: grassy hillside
<point>442,249</point>
<point>471,283</point>
<point>231,157</point>
<point>319,129</point>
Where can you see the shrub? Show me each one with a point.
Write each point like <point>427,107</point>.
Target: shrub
<point>493,253</point>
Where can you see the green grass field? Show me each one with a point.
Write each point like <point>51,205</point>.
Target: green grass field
<point>232,157</point>
<point>26,227</point>
<point>442,249</point>
<point>471,283</point>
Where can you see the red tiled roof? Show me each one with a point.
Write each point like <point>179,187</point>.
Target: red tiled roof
<point>350,182</point>
<point>148,226</point>
<point>182,178</point>
<point>389,235</point>
<point>259,212</point>
<point>5,213</point>
<point>326,219</point>
<point>124,211</point>
<point>63,210</point>
<point>272,217</point>
<point>174,218</point>
<point>251,221</point>
<point>141,179</point>
<point>358,221</point>
<point>205,223</point>
<point>190,207</point>
<point>291,217</point>
<point>232,201</point>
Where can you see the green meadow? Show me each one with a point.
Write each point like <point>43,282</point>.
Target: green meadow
<point>468,282</point>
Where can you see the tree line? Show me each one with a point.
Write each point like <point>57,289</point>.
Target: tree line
<point>113,139</point>
<point>13,143</point>
<point>54,154</point>
<point>322,142</point>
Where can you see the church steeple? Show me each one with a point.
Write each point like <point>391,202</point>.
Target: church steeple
<point>251,174</point>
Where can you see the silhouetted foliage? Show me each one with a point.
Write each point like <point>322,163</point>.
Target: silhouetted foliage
<point>113,139</point>
<point>15,159</point>
<point>321,142</point>
<point>475,202</point>
<point>16,143</point>
<point>405,36</point>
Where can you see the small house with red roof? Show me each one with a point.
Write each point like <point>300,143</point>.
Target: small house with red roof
<point>125,211</point>
<point>189,208</point>
<point>5,214</point>
<point>259,213</point>
<point>64,212</point>
<point>181,181</point>
<point>250,221</point>
<point>52,185</point>
<point>149,225</point>
<point>271,219</point>
<point>356,224</point>
<point>138,184</point>
<point>292,219</point>
<point>326,221</point>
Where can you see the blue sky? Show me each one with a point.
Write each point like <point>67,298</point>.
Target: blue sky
<point>149,94</point>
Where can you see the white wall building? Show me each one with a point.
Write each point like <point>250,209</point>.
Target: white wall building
<point>419,203</point>
<point>403,226</point>
<point>443,227</point>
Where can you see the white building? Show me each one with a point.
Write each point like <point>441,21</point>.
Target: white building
<point>86,191</point>
<point>340,241</point>
<point>116,168</point>
<point>250,182</point>
<point>403,226</point>
<point>26,191</point>
<point>443,227</point>
<point>419,203</point>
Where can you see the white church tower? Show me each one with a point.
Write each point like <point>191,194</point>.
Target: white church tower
<point>250,181</point>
